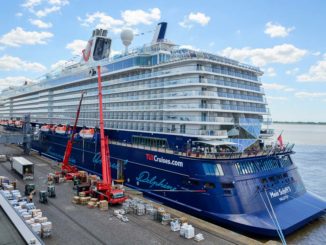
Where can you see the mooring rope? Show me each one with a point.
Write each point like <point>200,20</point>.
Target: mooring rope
<point>270,215</point>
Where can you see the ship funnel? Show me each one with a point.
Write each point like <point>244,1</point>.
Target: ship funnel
<point>159,34</point>
<point>98,47</point>
<point>126,37</point>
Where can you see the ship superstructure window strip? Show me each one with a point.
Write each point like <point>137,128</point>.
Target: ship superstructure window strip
<point>252,167</point>
<point>213,169</point>
<point>150,141</point>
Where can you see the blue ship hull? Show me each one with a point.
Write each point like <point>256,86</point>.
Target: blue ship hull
<point>244,204</point>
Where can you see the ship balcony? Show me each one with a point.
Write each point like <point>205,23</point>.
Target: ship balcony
<point>212,153</point>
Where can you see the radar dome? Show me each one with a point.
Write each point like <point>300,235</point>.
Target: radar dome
<point>127,36</point>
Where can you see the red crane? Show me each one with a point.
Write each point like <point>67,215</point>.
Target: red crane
<point>68,170</point>
<point>104,188</point>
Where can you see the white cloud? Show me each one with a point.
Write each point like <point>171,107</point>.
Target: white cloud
<point>10,63</point>
<point>101,20</point>
<point>49,6</point>
<point>30,4</point>
<point>199,18</point>
<point>114,52</point>
<point>40,23</point>
<point>17,37</point>
<point>135,17</point>
<point>304,95</point>
<point>292,71</point>
<point>44,12</point>
<point>13,81</point>
<point>59,2</point>
<point>284,54</point>
<point>316,73</point>
<point>58,64</point>
<point>277,98</point>
<point>276,86</point>
<point>188,46</point>
<point>277,30</point>
<point>317,53</point>
<point>211,44</point>
<point>270,72</point>
<point>128,18</point>
<point>19,14</point>
<point>76,46</point>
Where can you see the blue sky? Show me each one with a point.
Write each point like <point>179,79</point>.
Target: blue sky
<point>286,39</point>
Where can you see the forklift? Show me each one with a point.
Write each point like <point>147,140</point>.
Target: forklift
<point>43,197</point>
<point>51,191</point>
<point>29,188</point>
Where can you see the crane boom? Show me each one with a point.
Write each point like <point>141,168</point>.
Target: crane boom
<point>104,188</point>
<point>106,170</point>
<point>65,163</point>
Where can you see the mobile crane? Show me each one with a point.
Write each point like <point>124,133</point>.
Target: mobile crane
<point>68,170</point>
<point>104,188</point>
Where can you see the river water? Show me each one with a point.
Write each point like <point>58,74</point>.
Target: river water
<point>310,157</point>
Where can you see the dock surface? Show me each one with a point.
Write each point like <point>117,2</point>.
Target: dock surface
<point>75,224</point>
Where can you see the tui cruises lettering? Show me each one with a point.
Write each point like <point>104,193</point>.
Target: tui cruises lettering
<point>156,158</point>
<point>145,177</point>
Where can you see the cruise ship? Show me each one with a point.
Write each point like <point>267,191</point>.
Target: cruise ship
<point>188,128</point>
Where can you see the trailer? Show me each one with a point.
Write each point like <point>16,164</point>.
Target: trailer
<point>23,167</point>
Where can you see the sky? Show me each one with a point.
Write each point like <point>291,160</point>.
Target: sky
<point>286,39</point>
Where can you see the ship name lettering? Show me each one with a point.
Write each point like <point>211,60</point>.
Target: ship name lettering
<point>145,177</point>
<point>280,192</point>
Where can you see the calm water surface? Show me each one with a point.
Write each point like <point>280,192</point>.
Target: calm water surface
<point>310,157</point>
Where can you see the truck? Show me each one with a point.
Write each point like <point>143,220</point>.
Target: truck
<point>23,167</point>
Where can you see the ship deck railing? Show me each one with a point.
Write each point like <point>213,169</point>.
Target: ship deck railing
<point>267,151</point>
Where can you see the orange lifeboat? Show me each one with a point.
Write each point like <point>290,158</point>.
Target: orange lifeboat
<point>11,123</point>
<point>87,133</point>
<point>18,124</point>
<point>61,129</point>
<point>45,128</point>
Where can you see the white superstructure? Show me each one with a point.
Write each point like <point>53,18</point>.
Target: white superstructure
<point>157,88</point>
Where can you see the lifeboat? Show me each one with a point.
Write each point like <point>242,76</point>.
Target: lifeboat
<point>45,128</point>
<point>3,122</point>
<point>52,128</point>
<point>18,124</point>
<point>61,129</point>
<point>87,133</point>
<point>11,123</point>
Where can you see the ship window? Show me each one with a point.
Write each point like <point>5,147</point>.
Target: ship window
<point>193,182</point>
<point>213,169</point>
<point>227,185</point>
<point>149,141</point>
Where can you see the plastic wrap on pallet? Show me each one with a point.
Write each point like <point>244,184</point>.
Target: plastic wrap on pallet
<point>27,216</point>
<point>104,205</point>
<point>36,227</point>
<point>190,232</point>
<point>42,220</point>
<point>140,209</point>
<point>175,225</point>
<point>46,225</point>
<point>199,237</point>
<point>30,206</point>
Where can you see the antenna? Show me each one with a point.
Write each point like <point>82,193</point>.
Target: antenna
<point>126,37</point>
